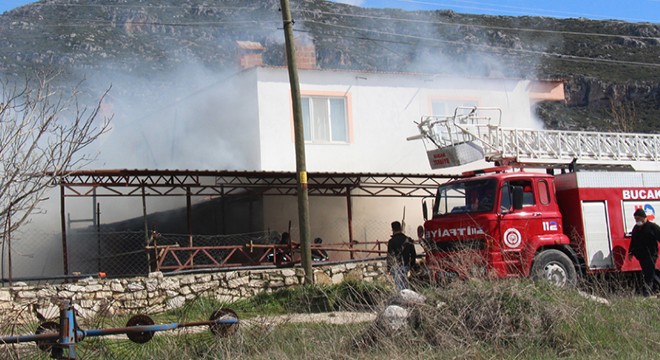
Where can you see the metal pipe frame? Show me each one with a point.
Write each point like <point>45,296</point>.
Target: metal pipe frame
<point>220,183</point>
<point>201,257</point>
<point>68,335</point>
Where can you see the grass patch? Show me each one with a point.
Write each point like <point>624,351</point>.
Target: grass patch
<point>475,319</point>
<point>347,296</point>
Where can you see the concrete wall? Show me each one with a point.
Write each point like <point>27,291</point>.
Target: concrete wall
<point>158,293</point>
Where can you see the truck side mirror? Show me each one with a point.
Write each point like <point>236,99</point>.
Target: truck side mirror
<point>517,197</point>
<point>425,210</point>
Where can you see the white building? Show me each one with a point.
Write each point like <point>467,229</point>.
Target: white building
<point>359,121</point>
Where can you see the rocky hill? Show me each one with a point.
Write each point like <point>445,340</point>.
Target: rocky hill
<point>611,68</point>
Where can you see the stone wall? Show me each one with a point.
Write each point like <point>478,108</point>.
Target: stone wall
<point>157,293</point>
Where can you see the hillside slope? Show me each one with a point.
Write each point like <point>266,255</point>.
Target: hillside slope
<point>607,65</point>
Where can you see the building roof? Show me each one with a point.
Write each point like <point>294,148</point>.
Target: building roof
<point>416,74</point>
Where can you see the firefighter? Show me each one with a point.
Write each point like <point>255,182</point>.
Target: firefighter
<point>400,256</point>
<point>644,246</point>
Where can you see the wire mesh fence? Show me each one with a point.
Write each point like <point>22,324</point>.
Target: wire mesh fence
<point>35,255</point>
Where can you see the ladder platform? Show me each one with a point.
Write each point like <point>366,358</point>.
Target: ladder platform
<point>488,140</point>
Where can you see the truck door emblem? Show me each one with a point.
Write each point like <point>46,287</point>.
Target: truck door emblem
<point>512,238</point>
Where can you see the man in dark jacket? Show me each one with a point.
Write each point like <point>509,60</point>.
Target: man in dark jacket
<point>644,246</point>
<point>400,256</point>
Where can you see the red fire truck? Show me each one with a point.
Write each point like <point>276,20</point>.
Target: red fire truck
<point>513,220</point>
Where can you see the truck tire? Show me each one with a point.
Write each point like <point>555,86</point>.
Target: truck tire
<point>555,267</point>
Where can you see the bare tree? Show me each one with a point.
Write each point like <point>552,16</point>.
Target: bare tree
<point>42,132</point>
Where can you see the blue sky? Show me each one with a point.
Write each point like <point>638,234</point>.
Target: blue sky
<point>632,10</point>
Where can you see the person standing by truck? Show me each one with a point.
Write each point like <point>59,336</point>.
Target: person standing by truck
<point>400,256</point>
<point>644,247</point>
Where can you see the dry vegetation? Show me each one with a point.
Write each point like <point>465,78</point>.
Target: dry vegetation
<point>474,319</point>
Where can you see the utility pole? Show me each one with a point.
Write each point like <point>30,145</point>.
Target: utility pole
<point>299,136</point>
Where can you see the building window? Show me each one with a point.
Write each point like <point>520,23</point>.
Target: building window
<point>448,107</point>
<point>325,119</point>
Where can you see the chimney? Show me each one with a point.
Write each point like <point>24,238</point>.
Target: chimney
<point>250,54</point>
<point>305,53</point>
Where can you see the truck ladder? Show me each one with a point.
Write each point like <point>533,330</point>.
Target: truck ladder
<point>530,147</point>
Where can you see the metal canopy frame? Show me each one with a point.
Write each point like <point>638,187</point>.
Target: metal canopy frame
<point>188,183</point>
<point>225,182</point>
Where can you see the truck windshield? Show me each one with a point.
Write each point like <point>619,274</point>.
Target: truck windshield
<point>465,197</point>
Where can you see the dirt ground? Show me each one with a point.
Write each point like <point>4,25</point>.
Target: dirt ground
<point>336,317</point>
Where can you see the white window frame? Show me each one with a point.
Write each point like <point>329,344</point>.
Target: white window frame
<point>327,135</point>
<point>450,106</point>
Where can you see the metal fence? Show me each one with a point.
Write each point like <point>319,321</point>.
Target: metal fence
<point>33,255</point>
<point>119,254</point>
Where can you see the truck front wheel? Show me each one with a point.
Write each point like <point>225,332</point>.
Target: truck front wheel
<point>555,267</point>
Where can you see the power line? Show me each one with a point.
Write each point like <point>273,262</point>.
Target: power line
<point>474,5</point>
<point>136,6</point>
<point>209,23</point>
<point>91,22</point>
<point>488,47</point>
<point>516,9</point>
<point>437,22</point>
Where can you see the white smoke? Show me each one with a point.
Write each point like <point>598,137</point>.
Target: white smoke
<point>179,125</point>
<point>473,60</point>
